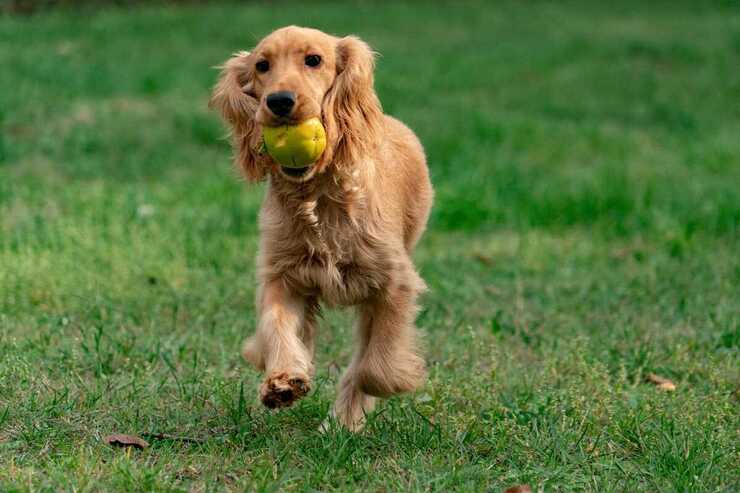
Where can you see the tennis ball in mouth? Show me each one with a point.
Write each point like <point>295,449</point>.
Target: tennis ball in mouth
<point>295,146</point>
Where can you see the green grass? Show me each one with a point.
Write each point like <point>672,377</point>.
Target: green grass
<point>587,167</point>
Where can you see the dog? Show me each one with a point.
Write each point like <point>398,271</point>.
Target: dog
<point>340,231</point>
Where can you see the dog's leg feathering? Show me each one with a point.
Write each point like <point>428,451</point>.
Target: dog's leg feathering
<point>278,348</point>
<point>388,359</point>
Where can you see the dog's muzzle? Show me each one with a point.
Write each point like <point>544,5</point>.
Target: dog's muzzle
<point>295,172</point>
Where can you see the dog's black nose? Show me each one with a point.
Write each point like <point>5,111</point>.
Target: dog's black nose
<point>281,102</point>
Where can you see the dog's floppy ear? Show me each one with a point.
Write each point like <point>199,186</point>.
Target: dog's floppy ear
<point>234,98</point>
<point>351,111</point>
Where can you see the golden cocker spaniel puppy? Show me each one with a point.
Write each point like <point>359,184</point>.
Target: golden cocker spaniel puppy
<point>340,231</point>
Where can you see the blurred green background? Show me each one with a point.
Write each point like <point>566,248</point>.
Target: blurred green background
<point>585,233</point>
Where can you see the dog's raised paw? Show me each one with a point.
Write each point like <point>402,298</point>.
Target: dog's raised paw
<point>283,389</point>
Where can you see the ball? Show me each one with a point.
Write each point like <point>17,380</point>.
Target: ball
<point>295,146</point>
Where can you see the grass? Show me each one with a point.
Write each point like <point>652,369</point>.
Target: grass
<point>585,234</point>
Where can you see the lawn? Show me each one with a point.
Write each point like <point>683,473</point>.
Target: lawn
<point>585,234</point>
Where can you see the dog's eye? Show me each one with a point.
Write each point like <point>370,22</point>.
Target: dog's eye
<point>313,60</point>
<point>262,66</point>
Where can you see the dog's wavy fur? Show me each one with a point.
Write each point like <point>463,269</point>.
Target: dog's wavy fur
<point>341,234</point>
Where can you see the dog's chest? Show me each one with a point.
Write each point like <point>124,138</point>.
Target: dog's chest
<point>338,261</point>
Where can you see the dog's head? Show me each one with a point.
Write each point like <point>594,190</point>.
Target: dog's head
<point>292,75</point>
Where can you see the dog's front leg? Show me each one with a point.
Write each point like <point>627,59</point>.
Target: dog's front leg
<point>388,360</point>
<point>277,347</point>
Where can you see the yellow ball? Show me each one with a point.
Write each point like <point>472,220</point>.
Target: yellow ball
<point>295,146</point>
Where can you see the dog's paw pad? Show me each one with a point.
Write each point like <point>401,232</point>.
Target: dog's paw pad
<point>282,390</point>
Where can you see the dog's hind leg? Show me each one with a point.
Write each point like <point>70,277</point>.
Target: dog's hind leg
<point>310,324</point>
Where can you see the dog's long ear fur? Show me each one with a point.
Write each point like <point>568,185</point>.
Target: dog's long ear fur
<point>351,111</point>
<point>232,97</point>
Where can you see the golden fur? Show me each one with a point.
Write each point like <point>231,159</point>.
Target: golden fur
<point>343,232</point>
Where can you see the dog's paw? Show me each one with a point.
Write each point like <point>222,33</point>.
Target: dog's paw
<point>283,389</point>
<point>345,420</point>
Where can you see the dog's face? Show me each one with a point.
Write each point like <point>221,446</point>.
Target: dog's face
<point>292,75</point>
<point>293,70</point>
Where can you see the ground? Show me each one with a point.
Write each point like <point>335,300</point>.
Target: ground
<point>585,234</point>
